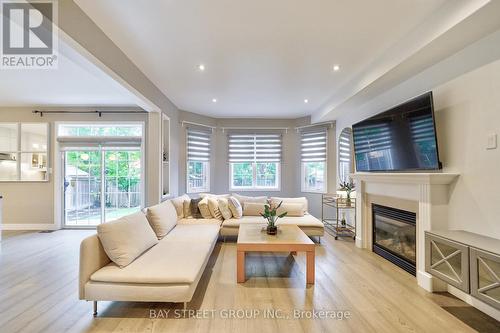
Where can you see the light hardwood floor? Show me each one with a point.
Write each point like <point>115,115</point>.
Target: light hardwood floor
<point>38,293</point>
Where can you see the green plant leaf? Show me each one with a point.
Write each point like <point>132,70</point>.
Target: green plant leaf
<point>283,215</point>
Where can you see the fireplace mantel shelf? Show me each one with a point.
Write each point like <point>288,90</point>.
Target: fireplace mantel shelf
<point>431,178</point>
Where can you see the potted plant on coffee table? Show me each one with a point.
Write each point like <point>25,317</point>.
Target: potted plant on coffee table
<point>271,216</point>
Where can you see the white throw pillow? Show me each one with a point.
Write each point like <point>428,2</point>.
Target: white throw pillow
<point>301,200</point>
<point>213,206</point>
<point>204,210</point>
<point>162,218</point>
<point>224,208</point>
<point>235,207</point>
<point>203,195</point>
<point>179,204</point>
<point>127,238</point>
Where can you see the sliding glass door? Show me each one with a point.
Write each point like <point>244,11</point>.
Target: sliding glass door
<point>101,185</point>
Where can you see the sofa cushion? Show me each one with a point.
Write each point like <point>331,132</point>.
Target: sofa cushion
<point>168,262</point>
<point>292,209</point>
<point>243,198</point>
<point>224,208</point>
<point>253,208</point>
<point>235,207</point>
<point>192,221</point>
<point>162,218</point>
<point>213,206</point>
<point>195,209</point>
<point>202,232</point>
<point>305,221</point>
<point>178,203</point>
<point>127,238</point>
<point>217,196</point>
<point>301,200</point>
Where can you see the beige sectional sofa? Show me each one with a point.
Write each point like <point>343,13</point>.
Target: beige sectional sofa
<point>160,254</point>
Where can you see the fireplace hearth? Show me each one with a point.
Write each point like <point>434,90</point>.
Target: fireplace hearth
<point>394,236</point>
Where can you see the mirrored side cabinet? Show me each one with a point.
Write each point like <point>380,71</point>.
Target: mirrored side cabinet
<point>467,261</point>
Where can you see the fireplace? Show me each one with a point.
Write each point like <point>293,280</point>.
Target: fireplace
<point>394,236</point>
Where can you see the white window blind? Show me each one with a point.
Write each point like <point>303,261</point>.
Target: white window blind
<point>313,146</point>
<point>254,147</point>
<point>198,145</point>
<point>345,145</point>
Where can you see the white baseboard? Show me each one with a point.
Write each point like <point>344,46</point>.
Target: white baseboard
<point>32,226</point>
<point>430,283</point>
<point>481,306</point>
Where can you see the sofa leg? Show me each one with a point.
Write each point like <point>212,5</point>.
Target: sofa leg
<point>319,239</point>
<point>224,239</point>
<point>95,309</point>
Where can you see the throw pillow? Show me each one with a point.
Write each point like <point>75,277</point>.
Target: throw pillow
<point>127,238</point>
<point>253,208</point>
<point>224,208</point>
<point>179,203</point>
<point>213,206</point>
<point>204,210</point>
<point>235,207</point>
<point>195,210</point>
<point>185,206</point>
<point>203,195</point>
<point>162,218</point>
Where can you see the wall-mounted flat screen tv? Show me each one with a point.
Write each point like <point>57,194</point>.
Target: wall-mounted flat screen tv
<point>400,139</point>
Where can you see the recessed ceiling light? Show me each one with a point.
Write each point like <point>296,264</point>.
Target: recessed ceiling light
<point>336,68</point>
<point>306,101</point>
<point>214,100</point>
<point>201,67</point>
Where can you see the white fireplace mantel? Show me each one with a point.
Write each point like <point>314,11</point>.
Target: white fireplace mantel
<point>429,190</point>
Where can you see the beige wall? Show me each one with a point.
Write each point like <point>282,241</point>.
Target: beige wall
<point>34,202</point>
<point>467,108</point>
<point>290,167</point>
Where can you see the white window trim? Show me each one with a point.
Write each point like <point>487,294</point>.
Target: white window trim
<point>303,179</point>
<point>195,190</point>
<point>254,178</point>
<point>18,152</point>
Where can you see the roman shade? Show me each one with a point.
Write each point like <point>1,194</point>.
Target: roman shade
<point>198,145</point>
<point>313,145</point>
<point>345,145</point>
<point>254,147</point>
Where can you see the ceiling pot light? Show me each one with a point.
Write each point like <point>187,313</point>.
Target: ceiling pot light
<point>336,68</point>
<point>201,67</point>
<point>306,101</point>
<point>214,100</point>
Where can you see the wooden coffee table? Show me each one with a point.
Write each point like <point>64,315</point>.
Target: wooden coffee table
<point>290,238</point>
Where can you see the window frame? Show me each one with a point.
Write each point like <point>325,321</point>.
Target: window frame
<point>194,190</point>
<point>254,187</point>
<point>303,186</point>
<point>19,152</point>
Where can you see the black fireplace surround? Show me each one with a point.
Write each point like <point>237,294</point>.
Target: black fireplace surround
<point>394,236</point>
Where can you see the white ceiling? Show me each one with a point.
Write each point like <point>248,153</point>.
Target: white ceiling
<point>76,82</point>
<point>262,58</point>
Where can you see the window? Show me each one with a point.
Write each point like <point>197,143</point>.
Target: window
<point>23,151</point>
<point>313,159</point>
<point>345,155</point>
<point>254,161</point>
<point>198,161</point>
<point>125,130</point>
